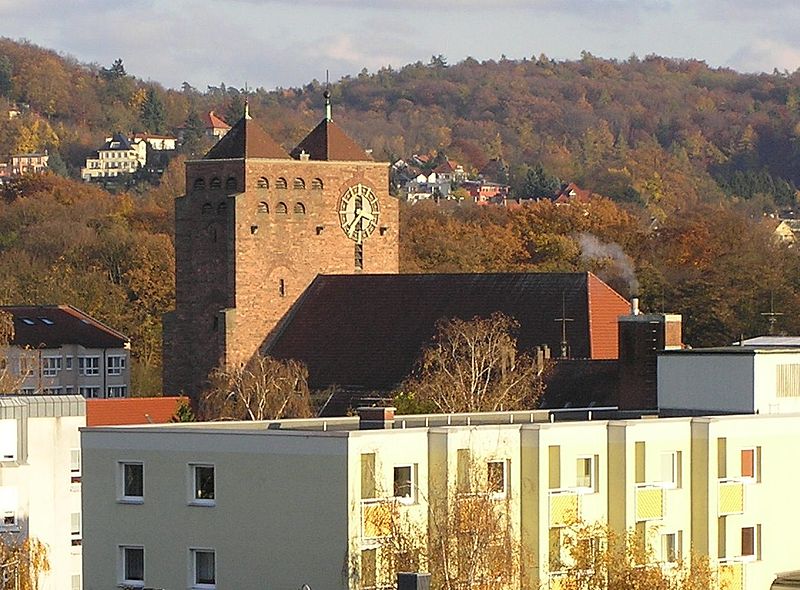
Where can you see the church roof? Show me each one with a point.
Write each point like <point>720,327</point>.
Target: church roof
<point>327,141</point>
<point>246,139</point>
<point>366,332</point>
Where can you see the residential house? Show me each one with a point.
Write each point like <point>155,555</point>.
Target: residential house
<point>572,193</point>
<point>170,506</point>
<point>32,163</point>
<point>117,157</point>
<point>156,142</point>
<point>483,192</point>
<point>215,127</point>
<point>59,349</point>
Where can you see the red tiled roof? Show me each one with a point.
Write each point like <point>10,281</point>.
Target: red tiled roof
<point>445,167</point>
<point>52,326</point>
<point>572,192</point>
<point>327,141</point>
<point>211,121</point>
<point>366,331</point>
<point>133,410</point>
<point>246,140</point>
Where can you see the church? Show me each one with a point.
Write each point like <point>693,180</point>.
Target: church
<point>295,254</point>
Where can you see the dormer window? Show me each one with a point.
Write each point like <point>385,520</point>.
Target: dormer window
<point>199,184</point>
<point>280,183</point>
<point>231,183</point>
<point>299,184</point>
<point>216,183</point>
<point>262,183</point>
<point>316,184</point>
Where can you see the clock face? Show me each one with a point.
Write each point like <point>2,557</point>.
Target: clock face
<point>358,212</point>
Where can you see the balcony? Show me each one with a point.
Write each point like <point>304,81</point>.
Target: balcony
<point>731,496</point>
<point>649,502</point>
<point>378,517</point>
<point>731,575</point>
<point>564,507</point>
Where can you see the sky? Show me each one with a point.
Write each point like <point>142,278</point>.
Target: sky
<point>288,43</point>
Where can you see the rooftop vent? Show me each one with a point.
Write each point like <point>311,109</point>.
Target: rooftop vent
<point>375,418</point>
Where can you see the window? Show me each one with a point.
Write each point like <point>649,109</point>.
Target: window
<point>132,565</point>
<point>281,209</point>
<point>281,183</point>
<point>89,392</point>
<point>204,568</point>
<point>26,366</point>
<point>231,184</point>
<point>671,547</point>
<point>496,478</point>
<point>585,473</point>
<point>751,464</point>
<point>262,183</point>
<point>199,184</point>
<point>52,390</point>
<point>27,391</point>
<point>263,207</point>
<point>670,469</point>
<point>75,465</point>
<point>299,209</point>
<point>316,184</point>
<point>215,183</point>
<point>117,391</point>
<point>131,481</point>
<point>369,568</point>
<point>69,390</point>
<point>75,528</point>
<point>404,483</point>
<point>88,365</point>
<point>299,184</point>
<point>8,508</point>
<point>51,365</point>
<point>76,582</point>
<point>207,208</point>
<point>67,363</point>
<point>203,488</point>
<point>282,288</point>
<point>221,208</point>
<point>748,541</point>
<point>116,365</point>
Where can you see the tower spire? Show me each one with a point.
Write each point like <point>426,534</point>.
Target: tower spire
<point>247,109</point>
<point>327,95</point>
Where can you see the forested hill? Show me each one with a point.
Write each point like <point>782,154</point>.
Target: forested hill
<point>661,132</point>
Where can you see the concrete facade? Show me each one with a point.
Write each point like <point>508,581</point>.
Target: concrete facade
<point>292,499</point>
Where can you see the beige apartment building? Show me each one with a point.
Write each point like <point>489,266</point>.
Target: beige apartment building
<point>60,350</point>
<point>282,504</point>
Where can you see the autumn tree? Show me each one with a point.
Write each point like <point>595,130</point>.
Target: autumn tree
<point>474,366</point>
<point>8,381</point>
<point>22,563</point>
<point>264,388</point>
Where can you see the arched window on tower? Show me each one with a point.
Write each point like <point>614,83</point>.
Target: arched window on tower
<point>216,183</point>
<point>262,183</point>
<point>221,208</point>
<point>231,183</point>
<point>316,184</point>
<point>199,184</point>
<point>299,184</point>
<point>207,208</point>
<point>299,209</point>
<point>280,183</point>
<point>263,207</point>
<point>281,209</point>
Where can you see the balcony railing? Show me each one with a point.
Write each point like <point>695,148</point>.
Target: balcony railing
<point>377,518</point>
<point>731,575</point>
<point>649,502</point>
<point>731,496</point>
<point>564,507</point>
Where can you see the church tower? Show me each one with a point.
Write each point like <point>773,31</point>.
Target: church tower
<point>255,226</point>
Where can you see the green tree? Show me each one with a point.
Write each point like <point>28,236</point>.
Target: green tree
<point>152,113</point>
<point>538,183</point>
<point>6,85</point>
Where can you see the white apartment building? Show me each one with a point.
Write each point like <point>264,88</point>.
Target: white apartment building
<point>61,350</point>
<point>253,505</point>
<point>40,480</point>
<point>118,156</point>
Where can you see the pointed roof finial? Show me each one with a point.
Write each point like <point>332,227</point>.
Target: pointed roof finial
<point>327,95</point>
<point>247,109</point>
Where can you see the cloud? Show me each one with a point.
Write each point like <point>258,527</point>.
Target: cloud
<point>764,55</point>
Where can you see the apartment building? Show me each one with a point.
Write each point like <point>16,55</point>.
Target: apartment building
<point>117,156</point>
<point>59,349</point>
<point>40,480</point>
<point>282,504</point>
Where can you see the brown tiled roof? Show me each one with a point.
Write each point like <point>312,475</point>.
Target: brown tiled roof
<point>327,141</point>
<point>572,192</point>
<point>52,326</point>
<point>134,410</point>
<point>246,139</point>
<point>445,167</point>
<point>365,332</point>
<point>212,121</point>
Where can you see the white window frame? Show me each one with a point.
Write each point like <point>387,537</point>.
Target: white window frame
<point>75,462</point>
<point>194,552</point>
<point>115,364</point>
<point>122,496</point>
<point>89,391</point>
<point>676,539</point>
<point>123,563</point>
<point>497,494</point>
<point>89,365</point>
<point>194,500</point>
<point>583,489</point>
<point>756,555</point>
<point>411,498</point>
<point>675,480</point>
<point>68,362</point>
<point>76,530</point>
<point>756,466</point>
<point>51,365</point>
<point>117,391</point>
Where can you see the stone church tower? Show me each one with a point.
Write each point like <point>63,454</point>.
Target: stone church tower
<point>255,226</point>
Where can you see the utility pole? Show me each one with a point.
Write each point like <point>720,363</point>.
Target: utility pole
<point>771,315</point>
<point>564,319</point>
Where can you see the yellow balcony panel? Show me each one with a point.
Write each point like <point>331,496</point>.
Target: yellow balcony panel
<point>377,519</point>
<point>557,582</point>
<point>731,497</point>
<point>649,503</point>
<point>563,509</point>
<point>731,576</point>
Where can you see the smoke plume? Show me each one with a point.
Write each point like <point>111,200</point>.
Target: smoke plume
<point>613,265</point>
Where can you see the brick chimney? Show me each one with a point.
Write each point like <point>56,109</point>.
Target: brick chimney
<point>641,337</point>
<point>413,581</point>
<point>375,418</point>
